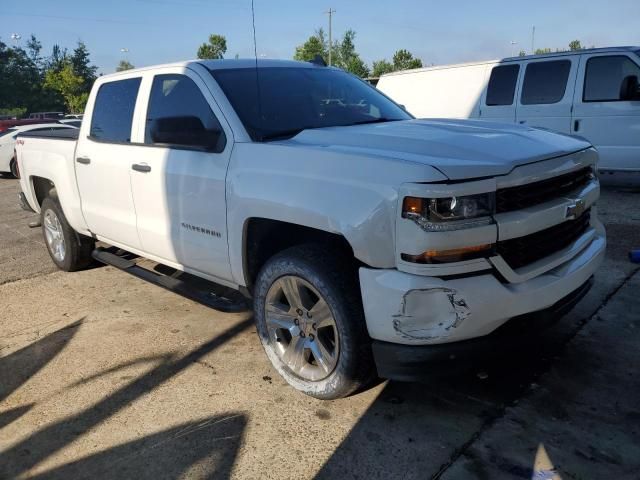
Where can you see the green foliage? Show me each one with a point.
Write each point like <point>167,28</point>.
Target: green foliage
<point>32,82</point>
<point>214,49</point>
<point>575,45</point>
<point>542,51</point>
<point>522,53</point>
<point>82,67</point>
<point>347,58</point>
<point>68,84</point>
<point>343,52</point>
<point>315,45</point>
<point>124,65</point>
<point>381,67</point>
<point>403,60</point>
<point>17,112</point>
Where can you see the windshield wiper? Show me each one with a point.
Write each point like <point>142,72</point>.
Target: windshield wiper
<point>284,134</point>
<point>375,120</point>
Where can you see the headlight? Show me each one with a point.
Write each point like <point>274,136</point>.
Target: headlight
<point>450,213</point>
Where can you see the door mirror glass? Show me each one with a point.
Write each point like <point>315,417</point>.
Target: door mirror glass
<point>185,130</point>
<point>630,89</point>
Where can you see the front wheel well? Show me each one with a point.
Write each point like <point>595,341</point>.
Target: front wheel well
<point>266,237</point>
<point>41,188</point>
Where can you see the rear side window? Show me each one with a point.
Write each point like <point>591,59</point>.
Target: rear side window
<point>113,111</point>
<point>179,115</point>
<point>604,76</point>
<point>502,85</point>
<point>545,82</point>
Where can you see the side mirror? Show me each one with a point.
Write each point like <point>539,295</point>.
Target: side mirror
<point>630,89</point>
<point>188,131</point>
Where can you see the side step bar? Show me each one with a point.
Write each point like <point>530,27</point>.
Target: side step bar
<point>176,285</point>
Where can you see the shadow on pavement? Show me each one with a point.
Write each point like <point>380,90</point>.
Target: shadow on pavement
<point>415,430</point>
<point>41,444</point>
<point>201,449</point>
<point>18,367</point>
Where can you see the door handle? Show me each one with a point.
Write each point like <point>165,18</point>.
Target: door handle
<point>522,122</point>
<point>141,167</point>
<point>576,125</point>
<point>83,160</point>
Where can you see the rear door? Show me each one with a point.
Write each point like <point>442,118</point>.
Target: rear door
<point>498,101</point>
<point>546,94</point>
<point>103,163</point>
<point>602,116</point>
<point>178,176</point>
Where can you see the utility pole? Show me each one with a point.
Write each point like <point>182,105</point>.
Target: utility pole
<point>330,12</point>
<point>533,38</point>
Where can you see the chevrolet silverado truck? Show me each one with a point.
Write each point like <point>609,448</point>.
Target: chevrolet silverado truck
<point>370,242</point>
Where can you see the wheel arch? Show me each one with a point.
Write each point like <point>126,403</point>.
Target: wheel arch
<point>265,237</point>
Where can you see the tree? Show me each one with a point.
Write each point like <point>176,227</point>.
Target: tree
<point>124,65</point>
<point>215,49</point>
<point>20,79</point>
<point>347,58</point>
<point>403,60</point>
<point>381,67</point>
<point>315,45</point>
<point>70,85</point>
<point>522,53</point>
<point>34,47</point>
<point>575,45</point>
<point>343,52</point>
<point>542,51</point>
<point>82,67</point>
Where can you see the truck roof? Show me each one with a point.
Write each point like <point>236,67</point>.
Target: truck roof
<point>515,59</point>
<point>225,64</point>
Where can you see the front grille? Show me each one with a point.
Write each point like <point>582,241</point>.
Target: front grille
<point>522,251</point>
<point>516,198</point>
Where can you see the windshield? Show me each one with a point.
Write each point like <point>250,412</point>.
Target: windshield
<point>294,99</point>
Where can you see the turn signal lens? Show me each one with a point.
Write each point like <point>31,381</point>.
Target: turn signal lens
<point>446,256</point>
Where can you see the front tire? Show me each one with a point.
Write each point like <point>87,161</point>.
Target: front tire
<point>68,250</point>
<point>309,316</point>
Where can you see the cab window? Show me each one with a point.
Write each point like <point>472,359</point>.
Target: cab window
<point>179,116</point>
<point>113,111</point>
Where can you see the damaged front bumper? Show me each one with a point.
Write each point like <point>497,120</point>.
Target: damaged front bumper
<point>417,310</point>
<point>409,362</point>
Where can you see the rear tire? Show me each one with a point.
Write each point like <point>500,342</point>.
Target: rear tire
<point>69,250</point>
<point>325,351</point>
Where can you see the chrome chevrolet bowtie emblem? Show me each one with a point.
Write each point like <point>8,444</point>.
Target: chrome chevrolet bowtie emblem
<point>575,210</point>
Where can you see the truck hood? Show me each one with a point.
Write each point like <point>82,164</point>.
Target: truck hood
<point>460,149</point>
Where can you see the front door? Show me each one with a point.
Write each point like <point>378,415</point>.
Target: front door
<point>602,116</point>
<point>178,173</point>
<point>102,163</point>
<point>546,93</point>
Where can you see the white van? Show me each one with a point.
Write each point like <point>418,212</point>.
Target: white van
<point>589,93</point>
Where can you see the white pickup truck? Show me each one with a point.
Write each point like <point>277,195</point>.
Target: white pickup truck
<point>370,242</point>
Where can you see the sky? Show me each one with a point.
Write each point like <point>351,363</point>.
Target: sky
<point>161,31</point>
